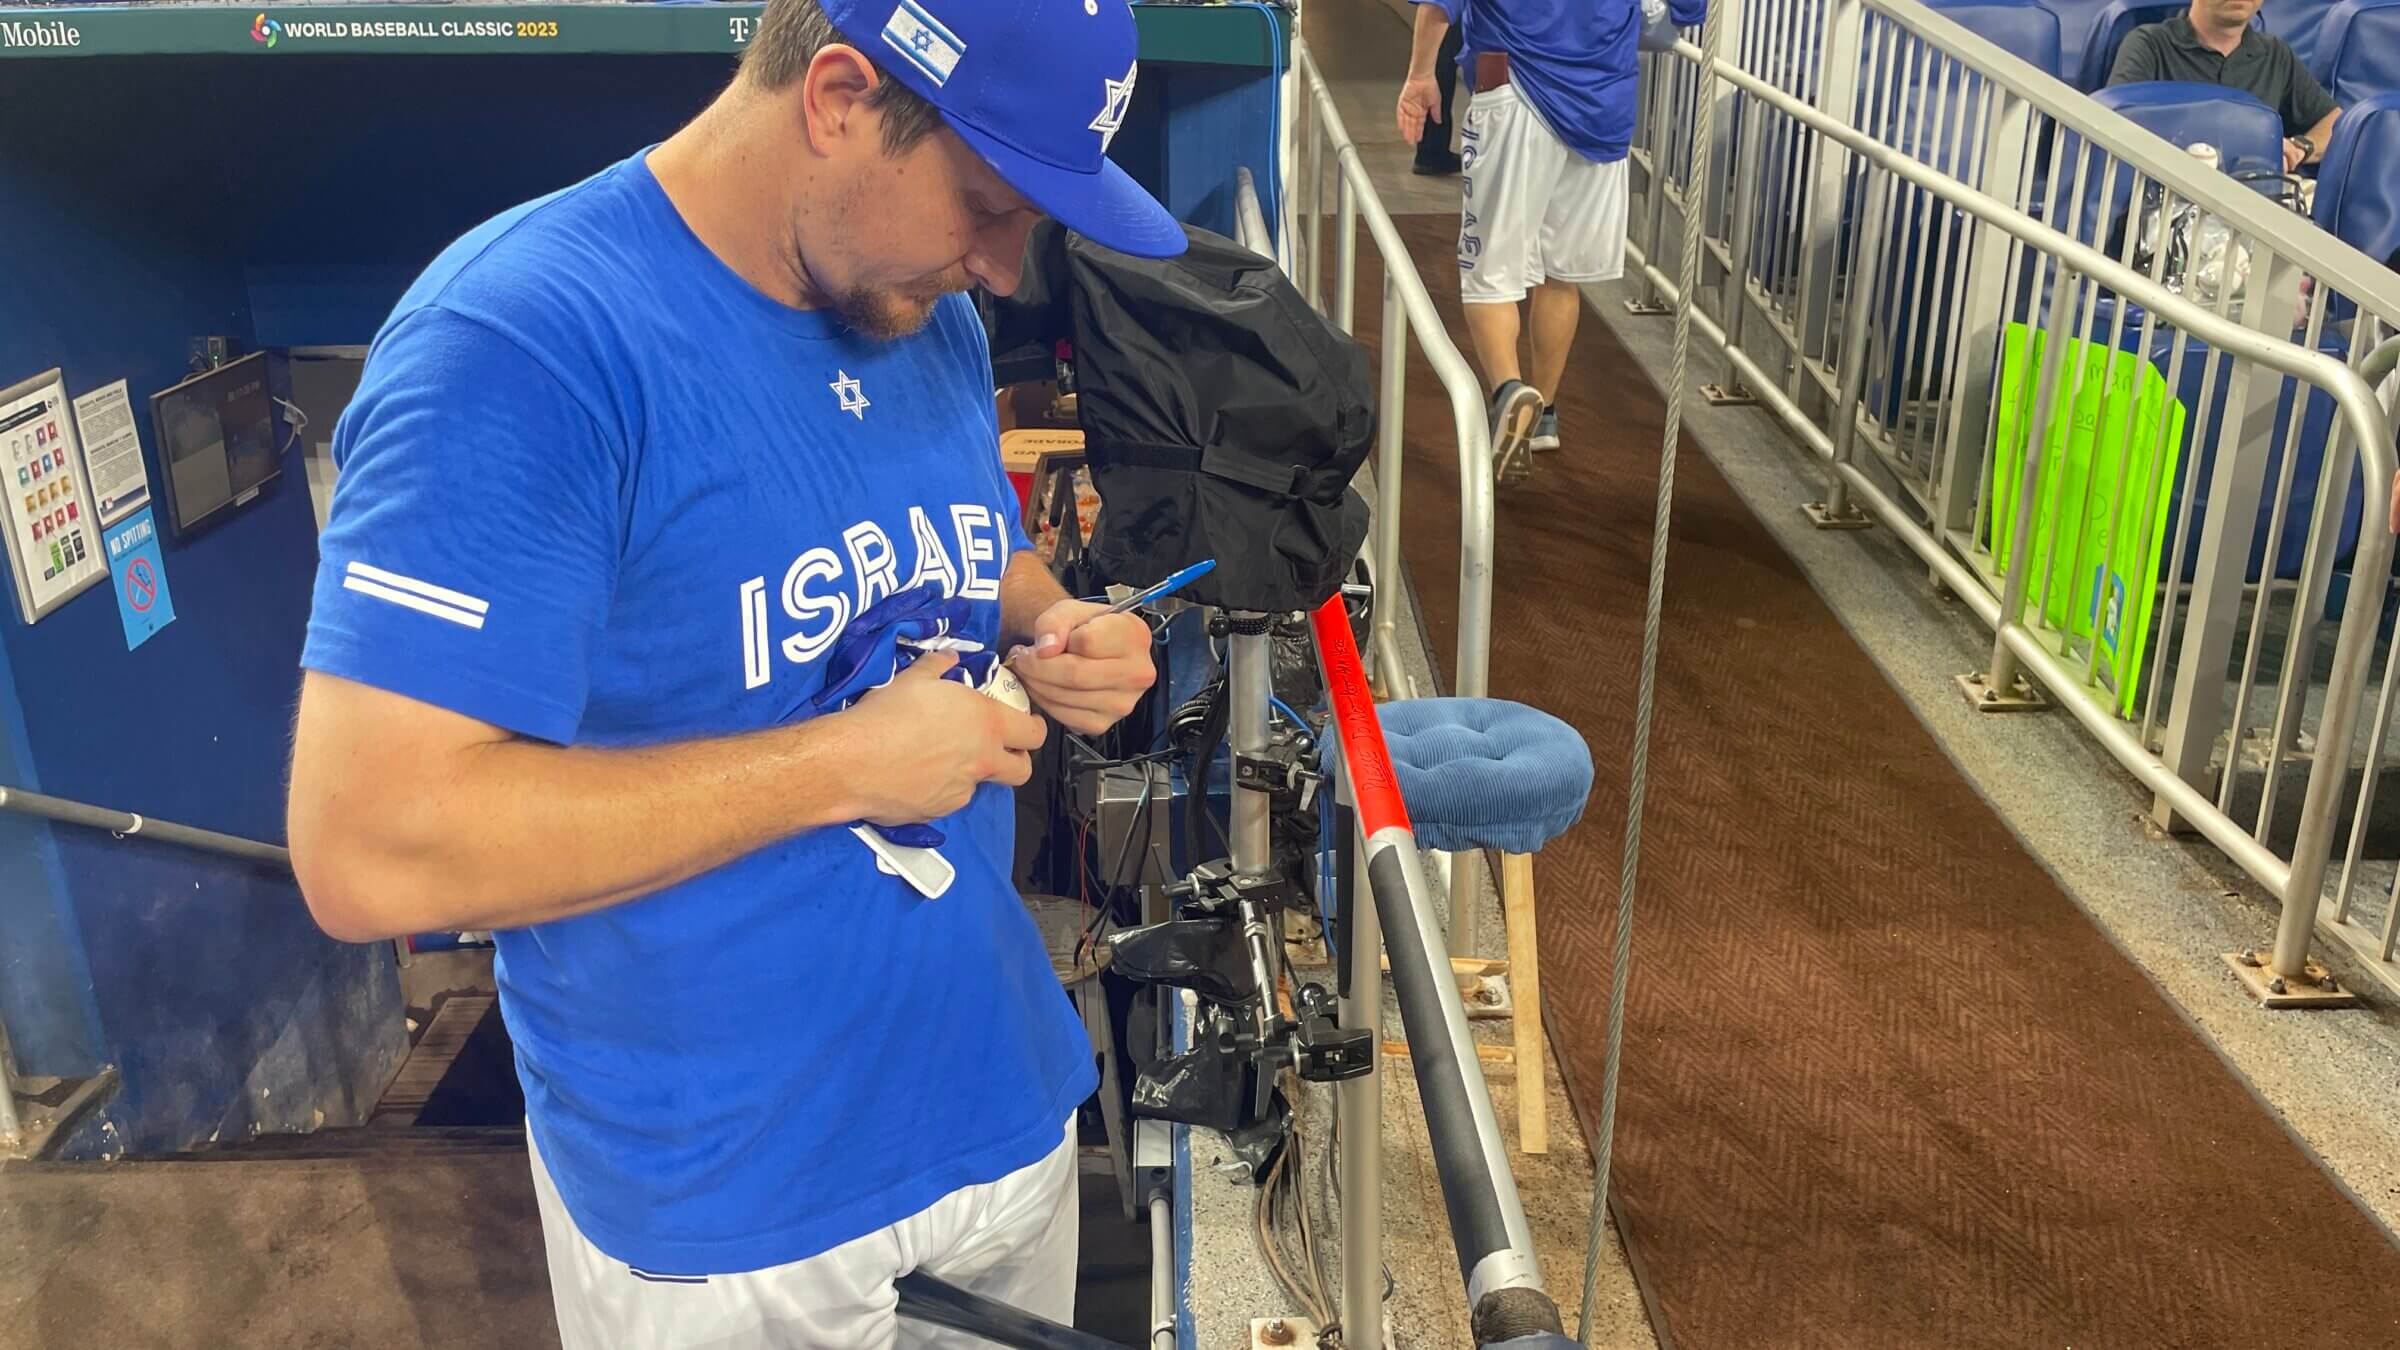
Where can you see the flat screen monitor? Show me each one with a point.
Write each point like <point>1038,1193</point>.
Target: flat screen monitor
<point>216,440</point>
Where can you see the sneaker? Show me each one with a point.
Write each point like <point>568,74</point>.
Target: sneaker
<point>1545,432</point>
<point>1440,165</point>
<point>1516,406</point>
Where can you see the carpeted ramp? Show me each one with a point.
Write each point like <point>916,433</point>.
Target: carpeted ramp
<point>1885,1085</point>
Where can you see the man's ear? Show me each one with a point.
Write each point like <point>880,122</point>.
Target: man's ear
<point>834,96</point>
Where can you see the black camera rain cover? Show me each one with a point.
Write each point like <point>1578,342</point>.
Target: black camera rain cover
<point>1223,416</point>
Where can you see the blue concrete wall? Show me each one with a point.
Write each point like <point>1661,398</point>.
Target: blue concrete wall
<point>203,981</point>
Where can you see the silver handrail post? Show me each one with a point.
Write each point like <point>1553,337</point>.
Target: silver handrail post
<point>2345,688</point>
<point>1345,249</point>
<point>1475,553</point>
<point>1860,319</point>
<point>1358,1114</point>
<point>1389,450</point>
<point>1844,23</point>
<point>2003,675</point>
<point>1316,212</point>
<point>1473,678</point>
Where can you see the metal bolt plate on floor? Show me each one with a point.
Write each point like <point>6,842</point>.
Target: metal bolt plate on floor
<point>2020,696</point>
<point>1282,1333</point>
<point>1826,518</point>
<point>2313,988</point>
<point>1727,396</point>
<point>1487,996</point>
<point>1647,309</point>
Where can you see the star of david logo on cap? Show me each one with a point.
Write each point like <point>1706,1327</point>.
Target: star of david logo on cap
<point>854,399</point>
<point>1112,107</point>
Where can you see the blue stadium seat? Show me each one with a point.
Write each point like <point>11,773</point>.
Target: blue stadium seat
<point>2024,29</point>
<point>1929,238</point>
<point>2247,133</point>
<point>2358,186</point>
<point>2360,47</point>
<point>2358,190</point>
<point>2301,24</point>
<point>2090,32</point>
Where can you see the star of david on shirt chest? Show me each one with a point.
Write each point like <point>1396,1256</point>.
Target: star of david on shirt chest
<point>853,398</point>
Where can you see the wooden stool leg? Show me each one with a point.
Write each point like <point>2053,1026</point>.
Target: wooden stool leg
<point>1525,980</point>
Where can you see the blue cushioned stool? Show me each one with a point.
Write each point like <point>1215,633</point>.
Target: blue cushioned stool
<point>1486,773</point>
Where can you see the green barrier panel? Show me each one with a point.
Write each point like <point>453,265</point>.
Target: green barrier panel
<point>2106,469</point>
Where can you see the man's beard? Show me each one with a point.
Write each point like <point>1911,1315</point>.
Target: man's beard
<point>898,311</point>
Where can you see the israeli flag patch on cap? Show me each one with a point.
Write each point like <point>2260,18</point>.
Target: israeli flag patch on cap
<point>921,38</point>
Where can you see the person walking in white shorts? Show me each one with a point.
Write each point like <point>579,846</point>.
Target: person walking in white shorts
<point>1543,180</point>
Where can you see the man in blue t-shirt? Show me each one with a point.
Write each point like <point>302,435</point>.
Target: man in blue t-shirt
<point>1544,184</point>
<point>666,504</point>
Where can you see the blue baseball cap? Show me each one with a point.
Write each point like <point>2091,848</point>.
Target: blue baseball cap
<point>1038,88</point>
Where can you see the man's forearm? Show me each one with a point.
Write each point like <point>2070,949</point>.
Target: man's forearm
<point>1026,589</point>
<point>512,832</point>
<point>2321,135</point>
<point>1425,45</point>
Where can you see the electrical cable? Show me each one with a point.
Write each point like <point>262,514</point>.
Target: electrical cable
<point>1270,204</point>
<point>299,421</point>
<point>1329,1318</point>
<point>1282,1198</point>
<point>1299,722</point>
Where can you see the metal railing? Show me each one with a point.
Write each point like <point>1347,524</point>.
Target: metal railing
<point>125,825</point>
<point>1408,316</point>
<point>128,825</point>
<point>1954,279</point>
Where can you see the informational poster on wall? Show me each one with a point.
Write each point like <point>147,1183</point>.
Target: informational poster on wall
<point>140,577</point>
<point>112,452</point>
<point>53,536</point>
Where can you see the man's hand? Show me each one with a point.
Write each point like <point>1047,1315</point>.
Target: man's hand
<point>1086,667</point>
<point>2294,155</point>
<point>936,742</point>
<point>1420,99</point>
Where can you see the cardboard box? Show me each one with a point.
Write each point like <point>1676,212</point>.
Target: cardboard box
<point>1021,453</point>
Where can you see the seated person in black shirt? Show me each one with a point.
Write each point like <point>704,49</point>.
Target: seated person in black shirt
<point>2215,44</point>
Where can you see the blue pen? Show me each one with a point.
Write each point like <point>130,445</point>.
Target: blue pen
<point>1175,581</point>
